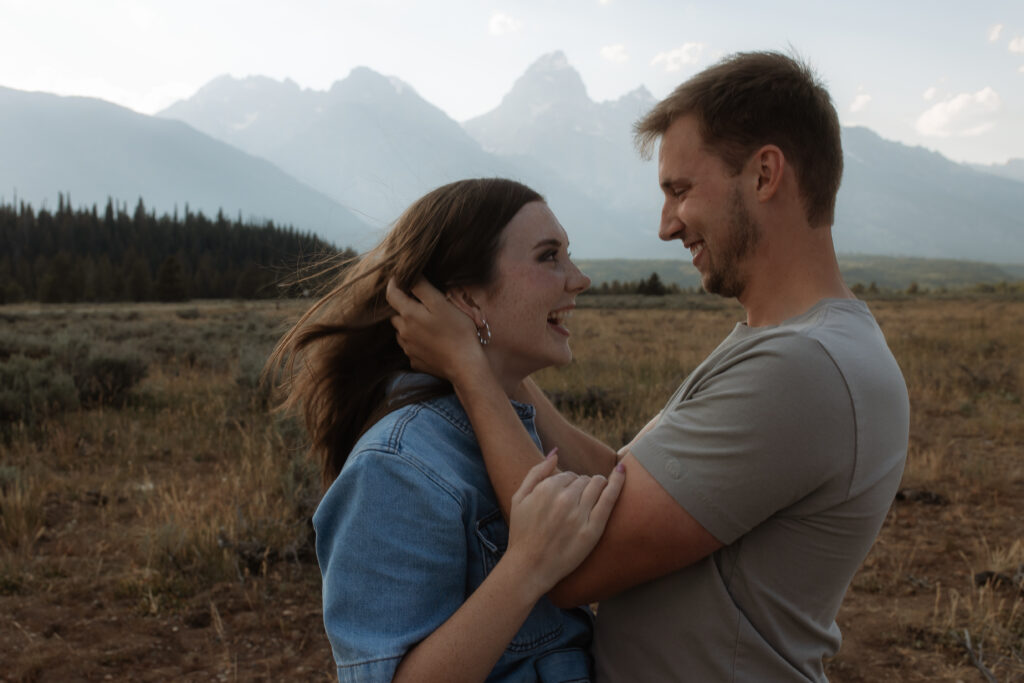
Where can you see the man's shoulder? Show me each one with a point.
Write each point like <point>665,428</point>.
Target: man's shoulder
<point>836,328</point>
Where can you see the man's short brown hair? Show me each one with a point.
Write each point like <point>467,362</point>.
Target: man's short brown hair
<point>752,99</point>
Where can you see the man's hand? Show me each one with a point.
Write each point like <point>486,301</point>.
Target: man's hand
<point>438,338</point>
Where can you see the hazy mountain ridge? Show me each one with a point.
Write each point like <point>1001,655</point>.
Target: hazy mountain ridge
<point>1012,169</point>
<point>93,150</point>
<point>370,144</point>
<point>548,116</point>
<point>914,202</point>
<point>894,199</point>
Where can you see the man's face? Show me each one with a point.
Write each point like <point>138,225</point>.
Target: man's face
<point>705,208</point>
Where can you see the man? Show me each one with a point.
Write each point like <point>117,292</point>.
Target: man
<point>752,498</point>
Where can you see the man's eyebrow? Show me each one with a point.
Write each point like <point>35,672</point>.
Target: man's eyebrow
<point>669,183</point>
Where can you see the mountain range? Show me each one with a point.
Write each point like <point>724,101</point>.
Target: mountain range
<point>345,162</point>
<point>90,150</point>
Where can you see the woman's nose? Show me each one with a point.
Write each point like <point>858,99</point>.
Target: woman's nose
<point>578,281</point>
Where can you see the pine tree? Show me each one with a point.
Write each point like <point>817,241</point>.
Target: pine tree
<point>170,280</point>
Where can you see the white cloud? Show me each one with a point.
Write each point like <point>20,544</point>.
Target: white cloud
<point>1017,44</point>
<point>675,60</point>
<point>615,53</point>
<point>502,24</point>
<point>993,33</point>
<point>930,93</point>
<point>1021,69</point>
<point>860,102</point>
<point>963,115</point>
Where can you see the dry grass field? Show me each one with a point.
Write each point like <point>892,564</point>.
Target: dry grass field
<point>154,517</point>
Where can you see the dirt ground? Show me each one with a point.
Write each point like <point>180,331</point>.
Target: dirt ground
<point>80,605</point>
<point>269,628</point>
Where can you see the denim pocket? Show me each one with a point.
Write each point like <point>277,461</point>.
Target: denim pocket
<point>569,665</point>
<point>545,622</point>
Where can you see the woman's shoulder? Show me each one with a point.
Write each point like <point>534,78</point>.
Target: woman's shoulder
<point>414,427</point>
<point>433,437</point>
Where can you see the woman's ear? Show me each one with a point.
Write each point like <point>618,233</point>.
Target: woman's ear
<point>463,300</point>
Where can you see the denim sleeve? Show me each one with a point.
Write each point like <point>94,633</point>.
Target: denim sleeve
<point>391,543</point>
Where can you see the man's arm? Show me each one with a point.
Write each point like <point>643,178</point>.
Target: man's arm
<point>648,534</point>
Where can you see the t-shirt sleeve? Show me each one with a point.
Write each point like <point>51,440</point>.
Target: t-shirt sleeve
<point>763,429</point>
<point>391,543</point>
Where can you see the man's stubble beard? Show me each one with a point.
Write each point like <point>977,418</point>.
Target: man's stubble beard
<point>725,277</point>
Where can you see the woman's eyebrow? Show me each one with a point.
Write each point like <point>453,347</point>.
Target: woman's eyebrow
<point>550,242</point>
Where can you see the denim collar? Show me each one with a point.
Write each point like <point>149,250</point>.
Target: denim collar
<point>448,406</point>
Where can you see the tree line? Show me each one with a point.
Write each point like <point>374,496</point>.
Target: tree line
<point>651,286</point>
<point>86,254</point>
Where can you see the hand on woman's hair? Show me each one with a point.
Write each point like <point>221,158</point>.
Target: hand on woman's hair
<point>438,338</point>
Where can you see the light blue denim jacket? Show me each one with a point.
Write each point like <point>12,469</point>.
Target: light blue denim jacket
<point>407,531</point>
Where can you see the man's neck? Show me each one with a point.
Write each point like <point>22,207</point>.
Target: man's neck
<point>786,281</point>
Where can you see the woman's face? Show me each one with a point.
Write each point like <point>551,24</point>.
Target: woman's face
<point>532,295</point>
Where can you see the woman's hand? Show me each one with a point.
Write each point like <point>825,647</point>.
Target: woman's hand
<point>557,520</point>
<point>438,338</point>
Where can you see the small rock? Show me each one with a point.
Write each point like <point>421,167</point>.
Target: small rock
<point>921,496</point>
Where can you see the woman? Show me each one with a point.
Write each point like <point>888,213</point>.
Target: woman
<point>422,578</point>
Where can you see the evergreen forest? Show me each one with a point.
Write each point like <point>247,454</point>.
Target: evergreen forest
<point>113,254</point>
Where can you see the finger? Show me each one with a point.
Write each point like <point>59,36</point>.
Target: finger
<point>557,482</point>
<point>574,490</point>
<point>602,509</point>
<point>398,299</point>
<point>537,474</point>
<point>428,294</point>
<point>592,493</point>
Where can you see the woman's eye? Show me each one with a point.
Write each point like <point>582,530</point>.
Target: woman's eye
<point>549,256</point>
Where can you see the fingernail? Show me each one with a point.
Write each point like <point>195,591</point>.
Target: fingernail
<point>551,453</point>
<point>620,467</point>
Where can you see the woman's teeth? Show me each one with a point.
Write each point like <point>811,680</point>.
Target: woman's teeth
<point>558,317</point>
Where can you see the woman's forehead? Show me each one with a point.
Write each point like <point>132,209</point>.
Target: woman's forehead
<point>533,225</point>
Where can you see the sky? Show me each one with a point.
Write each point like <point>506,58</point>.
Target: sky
<point>944,75</point>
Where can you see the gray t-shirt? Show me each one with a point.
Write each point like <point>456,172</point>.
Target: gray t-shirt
<point>787,444</point>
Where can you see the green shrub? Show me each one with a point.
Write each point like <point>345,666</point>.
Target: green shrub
<point>103,374</point>
<point>37,381</point>
<point>251,359</point>
<point>107,379</point>
<point>32,389</point>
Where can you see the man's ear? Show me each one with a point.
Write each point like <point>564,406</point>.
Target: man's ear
<point>768,164</point>
<point>463,300</point>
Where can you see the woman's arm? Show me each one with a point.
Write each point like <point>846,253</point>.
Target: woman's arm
<point>579,452</point>
<point>556,520</point>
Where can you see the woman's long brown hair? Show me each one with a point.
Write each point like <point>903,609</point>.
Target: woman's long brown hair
<point>336,362</point>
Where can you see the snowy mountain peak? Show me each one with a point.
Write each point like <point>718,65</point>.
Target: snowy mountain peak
<point>363,84</point>
<point>552,61</point>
